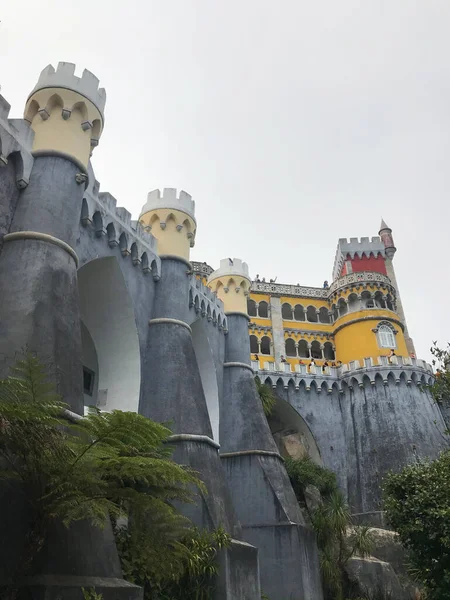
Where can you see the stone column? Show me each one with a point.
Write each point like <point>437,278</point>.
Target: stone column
<point>277,328</point>
<point>265,502</point>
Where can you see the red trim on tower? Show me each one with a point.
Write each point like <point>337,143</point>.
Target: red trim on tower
<point>365,263</point>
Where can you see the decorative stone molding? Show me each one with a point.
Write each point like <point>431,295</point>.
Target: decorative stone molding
<point>81,178</point>
<point>369,318</point>
<point>41,237</point>
<point>251,453</point>
<point>166,320</point>
<point>388,324</point>
<point>238,364</point>
<point>191,437</point>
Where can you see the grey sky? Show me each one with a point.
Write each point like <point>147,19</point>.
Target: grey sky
<point>292,123</point>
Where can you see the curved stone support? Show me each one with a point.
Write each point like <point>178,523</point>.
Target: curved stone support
<point>262,494</point>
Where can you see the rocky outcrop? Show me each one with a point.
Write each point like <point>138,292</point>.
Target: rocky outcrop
<point>384,573</point>
<point>375,578</point>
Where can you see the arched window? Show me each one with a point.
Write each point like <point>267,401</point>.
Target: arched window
<point>353,303</point>
<point>328,351</point>
<point>251,307</point>
<point>379,302</point>
<point>324,317</point>
<point>265,345</point>
<point>342,307</point>
<point>299,313</point>
<point>316,352</point>
<point>389,304</point>
<point>386,337</point>
<point>335,313</point>
<point>311,314</point>
<point>367,301</point>
<point>290,347</point>
<point>303,350</point>
<point>263,309</point>
<point>254,349</point>
<point>286,311</point>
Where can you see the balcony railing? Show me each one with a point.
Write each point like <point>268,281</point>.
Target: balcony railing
<point>364,277</point>
<point>344,369</point>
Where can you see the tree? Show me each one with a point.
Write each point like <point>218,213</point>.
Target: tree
<point>268,399</point>
<point>417,504</point>
<point>338,540</point>
<point>186,570</point>
<point>110,464</point>
<point>441,387</point>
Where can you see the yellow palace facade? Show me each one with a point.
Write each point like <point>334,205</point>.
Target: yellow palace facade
<point>357,320</point>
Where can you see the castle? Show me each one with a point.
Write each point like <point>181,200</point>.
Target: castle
<point>130,323</point>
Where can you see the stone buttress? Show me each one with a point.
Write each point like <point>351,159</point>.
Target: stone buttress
<point>39,308</point>
<point>174,393</point>
<point>262,494</point>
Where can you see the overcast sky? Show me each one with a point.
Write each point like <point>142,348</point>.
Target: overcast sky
<point>291,123</point>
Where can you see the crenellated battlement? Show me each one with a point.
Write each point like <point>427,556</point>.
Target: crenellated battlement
<point>16,140</point>
<point>169,199</point>
<point>101,214</point>
<point>207,304</point>
<point>357,373</point>
<point>230,267</point>
<point>64,77</point>
<point>356,247</point>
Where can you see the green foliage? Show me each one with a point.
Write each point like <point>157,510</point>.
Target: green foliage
<point>268,399</point>
<point>441,361</point>
<point>183,569</point>
<point>91,594</point>
<point>304,472</point>
<point>105,464</point>
<point>337,539</point>
<point>417,504</point>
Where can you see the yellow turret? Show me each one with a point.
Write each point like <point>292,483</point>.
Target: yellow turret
<point>66,113</point>
<point>171,220</point>
<point>231,283</point>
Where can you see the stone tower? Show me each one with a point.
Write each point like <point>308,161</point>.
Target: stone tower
<point>262,494</point>
<point>39,307</point>
<point>385,234</point>
<point>175,393</point>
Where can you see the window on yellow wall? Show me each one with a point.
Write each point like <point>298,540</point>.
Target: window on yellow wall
<point>386,337</point>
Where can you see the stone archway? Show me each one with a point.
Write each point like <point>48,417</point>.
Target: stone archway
<point>291,433</point>
<point>110,344</point>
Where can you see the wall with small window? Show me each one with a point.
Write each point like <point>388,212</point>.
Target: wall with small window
<point>364,337</point>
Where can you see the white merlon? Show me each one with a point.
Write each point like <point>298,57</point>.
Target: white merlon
<point>169,199</point>
<point>64,77</point>
<point>230,266</point>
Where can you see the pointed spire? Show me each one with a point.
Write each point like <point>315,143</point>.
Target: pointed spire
<point>383,225</point>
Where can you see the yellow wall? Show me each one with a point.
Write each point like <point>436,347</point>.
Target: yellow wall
<point>177,234</point>
<point>357,341</point>
<point>63,135</point>
<point>353,342</point>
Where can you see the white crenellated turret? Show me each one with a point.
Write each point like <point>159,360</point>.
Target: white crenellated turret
<point>231,282</point>
<point>171,220</point>
<point>66,112</point>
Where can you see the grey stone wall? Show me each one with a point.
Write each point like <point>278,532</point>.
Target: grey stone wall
<point>367,430</point>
